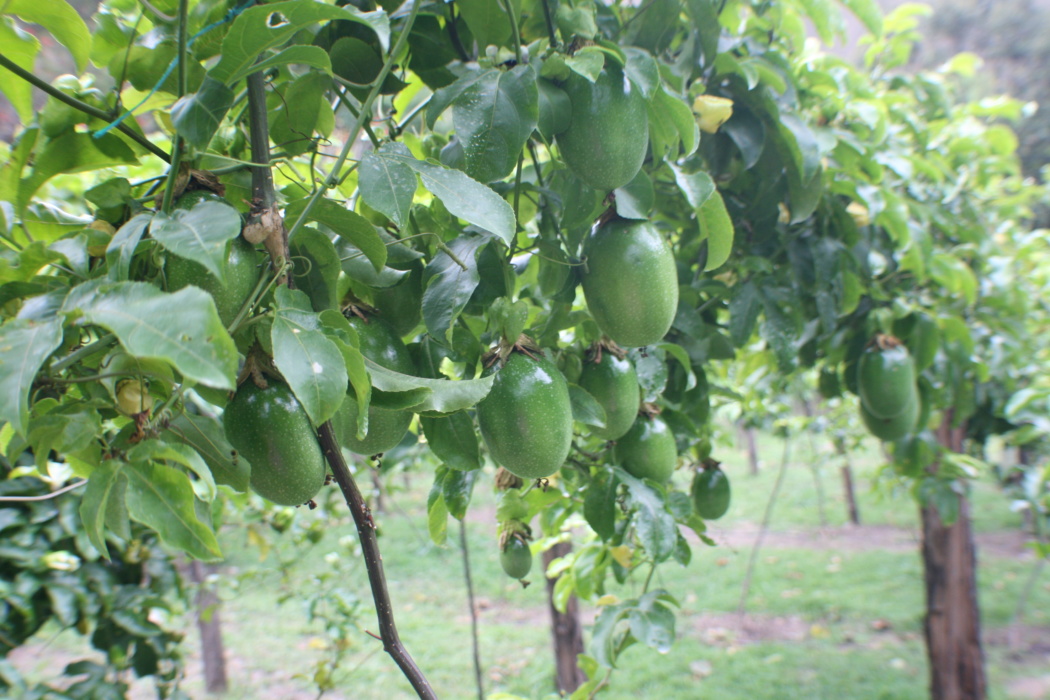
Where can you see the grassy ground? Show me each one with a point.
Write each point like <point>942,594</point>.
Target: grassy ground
<point>833,611</point>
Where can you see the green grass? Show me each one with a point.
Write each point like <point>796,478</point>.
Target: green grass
<point>828,599</point>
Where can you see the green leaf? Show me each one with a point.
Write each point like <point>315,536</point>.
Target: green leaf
<point>264,27</point>
<point>447,396</point>
<point>679,353</point>
<point>748,132</point>
<point>717,228</point>
<point>162,498</point>
<point>386,185</point>
<point>199,234</point>
<point>302,55</point>
<point>121,248</point>
<point>453,439</point>
<point>643,70</point>
<point>463,197</point>
<point>65,429</point>
<point>605,644</point>
<point>103,483</point>
<point>636,199</point>
<point>293,123</point>
<point>599,504</point>
<point>696,186</point>
<point>585,408</point>
<point>554,111</point>
<point>456,489</point>
<point>311,362</point>
<point>347,224</point>
<point>486,20</point>
<point>656,527</point>
<point>157,451</point>
<point>182,328</point>
<point>344,336</point>
<point>681,118</point>
<point>206,436</point>
<point>60,19</point>
<point>493,119</point>
<point>448,287</point>
<point>317,267</point>
<point>652,622</point>
<point>437,511</point>
<point>24,347</point>
<point>588,62</point>
<point>743,313</point>
<point>802,145</point>
<point>197,116</point>
<point>73,152</point>
<point>21,48</point>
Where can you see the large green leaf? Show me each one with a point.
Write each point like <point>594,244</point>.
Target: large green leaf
<point>655,526</point>
<point>20,48</point>
<point>493,118</point>
<point>121,248</point>
<point>158,451</point>
<point>162,498</point>
<point>386,185</point>
<point>73,152</point>
<point>487,21</point>
<point>197,116</point>
<point>311,363</point>
<point>199,234</point>
<point>59,18</point>
<point>24,347</point>
<point>446,395</point>
<point>717,228</point>
<point>313,56</point>
<point>868,12</point>
<point>437,511</point>
<point>264,27</point>
<point>456,489</point>
<point>449,286</point>
<point>293,123</point>
<point>349,225</point>
<point>104,483</point>
<point>182,328</point>
<point>317,267</point>
<point>206,436</point>
<point>453,439</point>
<point>464,197</point>
<point>585,408</point>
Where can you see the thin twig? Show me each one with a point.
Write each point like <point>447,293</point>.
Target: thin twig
<point>766,517</point>
<point>48,497</point>
<point>83,107</point>
<point>366,532</point>
<point>465,549</point>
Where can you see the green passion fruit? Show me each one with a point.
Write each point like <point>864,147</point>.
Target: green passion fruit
<point>890,429</point>
<point>886,378</point>
<point>648,450</point>
<point>516,558</point>
<point>710,492</point>
<point>526,419</point>
<point>608,133</point>
<point>242,274</point>
<point>386,427</point>
<point>614,384</point>
<point>630,282</point>
<point>271,429</point>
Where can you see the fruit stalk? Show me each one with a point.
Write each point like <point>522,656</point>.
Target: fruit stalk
<point>366,532</point>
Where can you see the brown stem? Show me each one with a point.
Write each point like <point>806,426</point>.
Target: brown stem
<point>83,107</point>
<point>366,531</point>
<point>465,549</point>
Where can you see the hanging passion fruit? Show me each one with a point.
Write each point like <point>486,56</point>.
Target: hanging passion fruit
<point>648,450</point>
<point>613,382</point>
<point>710,491</point>
<point>608,132</point>
<point>886,378</point>
<point>516,558</point>
<point>526,419</point>
<point>630,282</point>
<point>271,429</point>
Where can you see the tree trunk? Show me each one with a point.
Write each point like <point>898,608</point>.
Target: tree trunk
<point>752,450</point>
<point>210,626</point>
<point>566,632</point>
<point>851,497</point>
<point>952,626</point>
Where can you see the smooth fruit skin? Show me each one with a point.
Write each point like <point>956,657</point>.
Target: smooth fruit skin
<point>614,383</point>
<point>711,493</point>
<point>516,559</point>
<point>271,429</point>
<point>386,428</point>
<point>608,133</point>
<point>630,283</point>
<point>886,381</point>
<point>890,429</point>
<point>242,274</point>
<point>526,419</point>
<point>648,450</point>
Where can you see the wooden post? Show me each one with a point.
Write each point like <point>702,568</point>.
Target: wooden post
<point>213,654</point>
